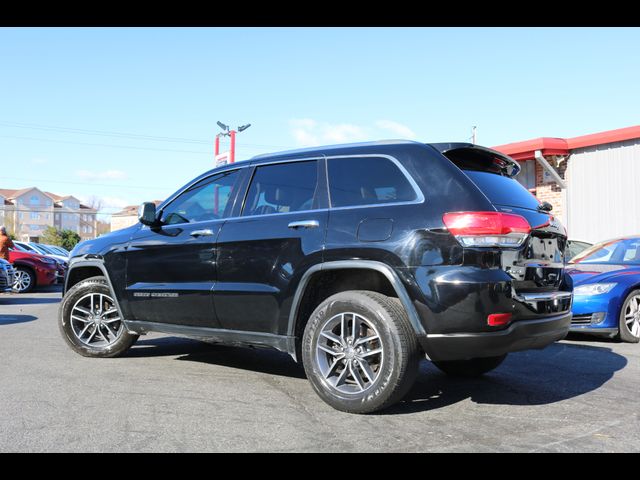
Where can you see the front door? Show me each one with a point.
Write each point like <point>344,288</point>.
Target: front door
<point>263,253</point>
<point>171,269</point>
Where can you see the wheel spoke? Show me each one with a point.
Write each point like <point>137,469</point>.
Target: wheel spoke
<point>354,327</point>
<point>83,320</point>
<point>82,310</point>
<point>111,320</point>
<point>333,337</point>
<point>363,340</point>
<point>330,351</point>
<point>371,352</point>
<point>342,377</point>
<point>332,368</point>
<point>366,368</point>
<point>83,331</point>
<point>343,329</point>
<point>356,376</point>
<point>635,330</point>
<point>110,311</point>
<point>92,334</point>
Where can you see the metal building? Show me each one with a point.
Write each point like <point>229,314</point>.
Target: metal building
<point>590,180</point>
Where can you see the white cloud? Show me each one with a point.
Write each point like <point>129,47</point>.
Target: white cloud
<point>308,132</point>
<point>396,128</point>
<point>91,176</point>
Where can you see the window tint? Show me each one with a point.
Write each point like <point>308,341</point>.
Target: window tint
<point>623,251</point>
<point>207,200</point>
<point>367,181</point>
<point>501,190</point>
<point>282,188</point>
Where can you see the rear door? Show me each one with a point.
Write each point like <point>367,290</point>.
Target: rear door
<point>263,253</point>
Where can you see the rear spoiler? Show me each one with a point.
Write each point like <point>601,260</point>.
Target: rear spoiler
<point>475,157</point>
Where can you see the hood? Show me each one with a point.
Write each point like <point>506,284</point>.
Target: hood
<point>100,245</point>
<point>599,272</point>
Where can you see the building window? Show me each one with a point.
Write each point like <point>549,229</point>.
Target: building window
<point>57,216</point>
<point>34,216</point>
<point>34,200</point>
<point>21,215</point>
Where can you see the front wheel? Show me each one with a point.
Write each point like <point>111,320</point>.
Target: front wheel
<point>359,351</point>
<point>629,323</point>
<point>25,280</point>
<point>473,367</point>
<point>90,322</point>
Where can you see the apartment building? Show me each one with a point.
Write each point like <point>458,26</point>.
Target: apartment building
<point>29,211</point>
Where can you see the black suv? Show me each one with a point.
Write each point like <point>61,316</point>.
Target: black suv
<point>357,260</point>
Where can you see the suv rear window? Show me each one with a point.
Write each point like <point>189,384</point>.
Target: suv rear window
<point>367,181</point>
<point>501,190</point>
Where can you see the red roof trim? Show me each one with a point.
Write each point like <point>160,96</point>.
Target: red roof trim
<point>560,146</point>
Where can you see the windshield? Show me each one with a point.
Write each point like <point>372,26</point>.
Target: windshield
<point>624,251</point>
<point>501,190</point>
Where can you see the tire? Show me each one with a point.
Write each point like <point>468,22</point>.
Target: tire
<point>84,299</point>
<point>376,380</point>
<point>471,368</point>
<point>630,332</point>
<point>25,280</point>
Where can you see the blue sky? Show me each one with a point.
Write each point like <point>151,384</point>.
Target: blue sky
<point>63,90</point>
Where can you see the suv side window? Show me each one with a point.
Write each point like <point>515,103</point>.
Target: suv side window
<point>367,181</point>
<point>206,200</point>
<point>282,188</point>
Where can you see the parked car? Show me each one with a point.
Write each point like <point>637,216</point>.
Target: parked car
<point>355,259</point>
<point>574,247</point>
<point>62,263</point>
<point>607,289</point>
<point>32,270</point>
<point>59,250</point>
<point>6,276</point>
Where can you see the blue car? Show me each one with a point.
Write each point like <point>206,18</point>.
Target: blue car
<point>606,279</point>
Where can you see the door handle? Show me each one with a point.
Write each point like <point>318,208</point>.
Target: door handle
<point>202,233</point>
<point>304,224</point>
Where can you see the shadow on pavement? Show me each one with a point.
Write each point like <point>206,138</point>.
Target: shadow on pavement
<point>254,359</point>
<point>26,299</point>
<point>11,319</point>
<point>535,377</point>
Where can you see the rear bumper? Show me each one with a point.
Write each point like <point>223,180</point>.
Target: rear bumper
<point>521,335</point>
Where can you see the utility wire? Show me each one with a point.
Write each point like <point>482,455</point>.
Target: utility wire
<point>107,133</point>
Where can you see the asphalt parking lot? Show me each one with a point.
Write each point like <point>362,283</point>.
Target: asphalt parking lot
<point>173,394</point>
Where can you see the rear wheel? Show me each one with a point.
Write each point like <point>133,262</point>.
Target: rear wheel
<point>629,323</point>
<point>473,367</point>
<point>24,280</point>
<point>359,351</point>
<point>90,322</point>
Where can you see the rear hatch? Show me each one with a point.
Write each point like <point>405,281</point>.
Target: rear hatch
<point>537,265</point>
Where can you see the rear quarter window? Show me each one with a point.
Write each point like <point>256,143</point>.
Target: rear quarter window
<point>367,181</point>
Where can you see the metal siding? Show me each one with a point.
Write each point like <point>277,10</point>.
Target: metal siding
<point>604,200</point>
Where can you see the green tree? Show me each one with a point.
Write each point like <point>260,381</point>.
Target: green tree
<point>51,236</point>
<point>69,239</point>
<point>63,238</point>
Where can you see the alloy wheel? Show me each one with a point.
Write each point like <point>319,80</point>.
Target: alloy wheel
<point>632,315</point>
<point>95,320</point>
<point>22,281</point>
<point>349,352</point>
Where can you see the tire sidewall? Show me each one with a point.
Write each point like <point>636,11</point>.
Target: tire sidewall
<point>64,322</point>
<point>376,394</point>
<point>625,333</point>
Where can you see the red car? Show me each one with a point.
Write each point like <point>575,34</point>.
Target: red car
<point>32,270</point>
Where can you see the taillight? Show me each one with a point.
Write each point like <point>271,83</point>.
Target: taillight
<point>487,229</point>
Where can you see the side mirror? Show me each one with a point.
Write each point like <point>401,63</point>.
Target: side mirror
<point>147,213</point>
<point>545,207</point>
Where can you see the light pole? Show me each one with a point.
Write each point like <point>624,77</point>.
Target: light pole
<point>226,132</point>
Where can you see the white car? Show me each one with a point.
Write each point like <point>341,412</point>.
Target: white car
<point>7,276</point>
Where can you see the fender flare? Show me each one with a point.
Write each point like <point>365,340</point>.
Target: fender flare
<point>96,263</point>
<point>383,268</point>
